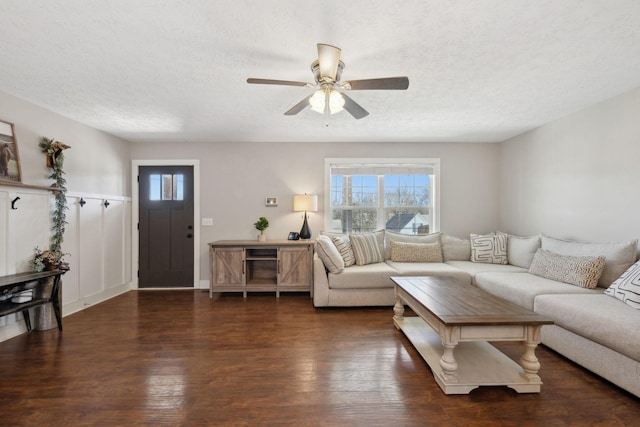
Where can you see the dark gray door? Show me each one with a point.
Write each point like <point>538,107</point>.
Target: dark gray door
<point>166,226</point>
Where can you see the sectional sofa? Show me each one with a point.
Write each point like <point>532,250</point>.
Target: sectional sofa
<point>590,290</point>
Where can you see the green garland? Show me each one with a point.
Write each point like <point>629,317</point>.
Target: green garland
<point>55,159</point>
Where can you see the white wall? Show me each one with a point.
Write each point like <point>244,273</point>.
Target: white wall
<point>577,177</point>
<point>236,178</point>
<point>97,239</point>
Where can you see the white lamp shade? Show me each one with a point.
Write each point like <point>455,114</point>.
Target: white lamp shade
<point>305,202</point>
<point>322,97</point>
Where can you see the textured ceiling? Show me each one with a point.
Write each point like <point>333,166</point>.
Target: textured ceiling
<point>176,70</point>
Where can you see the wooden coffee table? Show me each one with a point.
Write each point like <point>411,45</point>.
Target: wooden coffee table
<point>458,318</point>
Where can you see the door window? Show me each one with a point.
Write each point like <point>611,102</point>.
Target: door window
<point>166,187</point>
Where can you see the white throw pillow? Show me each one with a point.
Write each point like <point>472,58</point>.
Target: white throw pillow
<point>618,255</point>
<point>365,248</point>
<point>489,248</point>
<point>328,253</point>
<point>520,250</point>
<point>627,287</point>
<point>581,271</point>
<point>455,249</point>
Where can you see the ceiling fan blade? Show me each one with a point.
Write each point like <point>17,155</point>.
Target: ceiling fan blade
<point>354,108</point>
<point>298,107</point>
<point>328,59</point>
<point>277,82</point>
<point>387,83</point>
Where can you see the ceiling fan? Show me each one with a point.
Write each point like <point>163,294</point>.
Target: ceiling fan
<point>330,97</point>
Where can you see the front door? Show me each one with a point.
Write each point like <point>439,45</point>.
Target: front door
<point>166,226</point>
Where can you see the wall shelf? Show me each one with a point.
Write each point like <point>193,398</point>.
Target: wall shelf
<point>20,185</point>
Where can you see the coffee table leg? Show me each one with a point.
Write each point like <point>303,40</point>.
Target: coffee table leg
<point>398,311</point>
<point>529,361</point>
<point>448,361</point>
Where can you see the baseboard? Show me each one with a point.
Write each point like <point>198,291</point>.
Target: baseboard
<point>13,329</point>
<point>87,302</point>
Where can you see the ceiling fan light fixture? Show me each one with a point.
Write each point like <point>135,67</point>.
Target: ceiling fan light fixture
<point>336,102</point>
<point>317,101</point>
<point>324,98</point>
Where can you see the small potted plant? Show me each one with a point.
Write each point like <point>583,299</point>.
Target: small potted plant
<point>261,224</point>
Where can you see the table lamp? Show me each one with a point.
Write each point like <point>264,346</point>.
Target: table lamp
<point>305,203</point>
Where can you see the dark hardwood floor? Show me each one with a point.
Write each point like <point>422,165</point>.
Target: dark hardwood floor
<point>179,358</point>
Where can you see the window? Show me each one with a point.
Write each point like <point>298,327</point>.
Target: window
<point>399,195</point>
<point>166,187</point>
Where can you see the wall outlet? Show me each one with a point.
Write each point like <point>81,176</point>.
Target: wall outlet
<point>207,221</point>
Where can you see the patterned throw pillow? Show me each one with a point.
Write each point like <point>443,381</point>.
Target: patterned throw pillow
<point>490,248</point>
<point>329,254</point>
<point>390,236</point>
<point>618,255</point>
<point>344,247</point>
<point>627,287</point>
<point>415,252</point>
<point>365,248</point>
<point>582,271</point>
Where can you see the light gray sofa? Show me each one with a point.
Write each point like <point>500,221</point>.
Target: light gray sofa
<point>591,328</point>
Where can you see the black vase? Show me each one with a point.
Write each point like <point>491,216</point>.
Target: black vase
<point>305,231</point>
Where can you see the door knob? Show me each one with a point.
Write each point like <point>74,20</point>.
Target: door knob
<point>189,236</point>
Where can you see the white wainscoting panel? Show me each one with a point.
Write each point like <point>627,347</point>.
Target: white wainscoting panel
<point>97,244</point>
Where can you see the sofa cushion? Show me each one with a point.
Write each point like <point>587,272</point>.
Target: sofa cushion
<point>390,236</point>
<point>343,245</point>
<point>520,250</point>
<point>329,254</point>
<point>522,288</point>
<point>597,317</point>
<point>415,252</point>
<point>576,270</point>
<point>436,269</point>
<point>618,255</point>
<point>626,288</point>
<point>474,268</point>
<point>368,276</point>
<point>455,249</point>
<point>365,248</point>
<point>489,248</point>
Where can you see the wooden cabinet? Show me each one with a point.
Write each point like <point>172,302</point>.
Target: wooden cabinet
<point>271,266</point>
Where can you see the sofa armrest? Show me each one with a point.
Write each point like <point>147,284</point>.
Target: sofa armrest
<point>320,283</point>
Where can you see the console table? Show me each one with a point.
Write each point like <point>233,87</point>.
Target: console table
<point>15,284</point>
<point>252,266</point>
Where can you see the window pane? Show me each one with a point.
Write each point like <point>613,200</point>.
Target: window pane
<point>408,220</point>
<point>167,187</point>
<point>154,187</point>
<point>178,187</point>
<point>364,191</point>
<point>355,220</point>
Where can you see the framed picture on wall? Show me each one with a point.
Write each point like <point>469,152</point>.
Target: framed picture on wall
<point>9,159</point>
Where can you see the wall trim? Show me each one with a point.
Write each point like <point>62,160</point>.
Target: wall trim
<point>84,303</point>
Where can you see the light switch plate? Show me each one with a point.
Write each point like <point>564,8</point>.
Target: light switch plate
<point>207,221</point>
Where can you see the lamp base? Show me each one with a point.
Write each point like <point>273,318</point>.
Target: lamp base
<point>305,231</point>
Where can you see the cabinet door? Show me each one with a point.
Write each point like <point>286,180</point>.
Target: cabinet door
<point>228,266</point>
<point>294,266</point>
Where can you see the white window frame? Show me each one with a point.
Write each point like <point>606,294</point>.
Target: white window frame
<point>434,163</point>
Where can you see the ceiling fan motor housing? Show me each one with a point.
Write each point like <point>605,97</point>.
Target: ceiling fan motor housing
<point>315,69</point>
